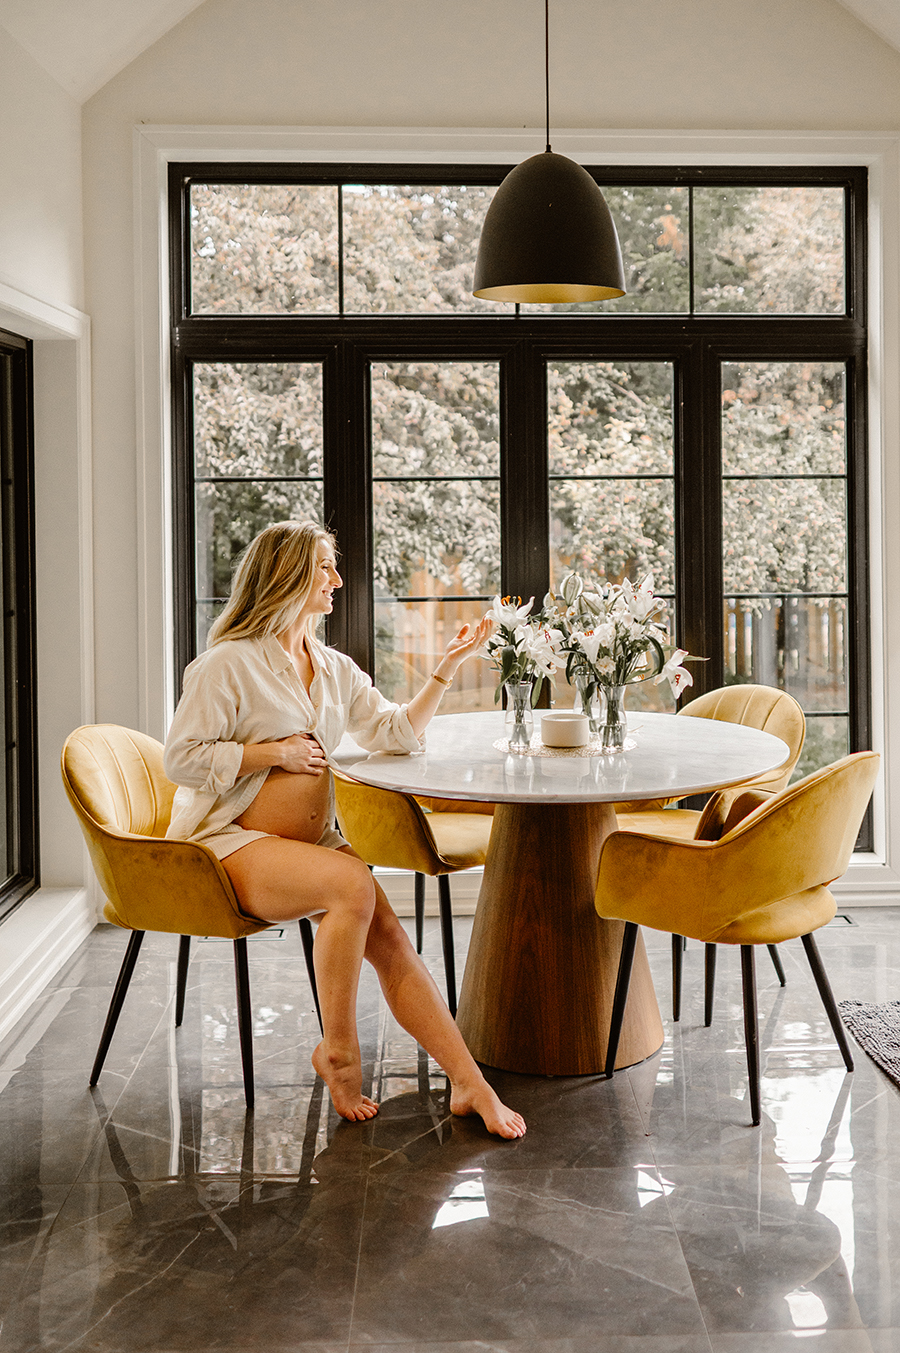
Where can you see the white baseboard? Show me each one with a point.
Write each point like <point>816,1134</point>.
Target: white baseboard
<point>35,942</point>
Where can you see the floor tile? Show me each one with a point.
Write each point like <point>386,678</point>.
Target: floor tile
<point>823,1341</point>
<point>193,1262</point>
<point>533,1254</point>
<point>26,1214</point>
<point>595,1342</point>
<point>763,1247</point>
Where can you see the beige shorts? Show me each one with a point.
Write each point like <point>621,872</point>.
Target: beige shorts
<point>232,838</point>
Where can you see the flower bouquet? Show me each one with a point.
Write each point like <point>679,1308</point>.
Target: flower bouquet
<point>613,635</point>
<point>525,650</point>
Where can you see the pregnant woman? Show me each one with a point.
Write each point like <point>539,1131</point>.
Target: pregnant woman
<point>262,710</point>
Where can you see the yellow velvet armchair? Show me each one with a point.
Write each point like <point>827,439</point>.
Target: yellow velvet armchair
<point>393,830</point>
<point>762,707</point>
<point>765,880</point>
<point>115,782</point>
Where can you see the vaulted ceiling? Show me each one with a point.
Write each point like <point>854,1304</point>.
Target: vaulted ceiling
<point>84,43</point>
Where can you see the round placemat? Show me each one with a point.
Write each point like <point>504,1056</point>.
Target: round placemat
<point>538,748</point>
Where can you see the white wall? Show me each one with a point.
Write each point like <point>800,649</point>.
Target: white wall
<point>40,181</point>
<point>41,290</point>
<point>41,295</point>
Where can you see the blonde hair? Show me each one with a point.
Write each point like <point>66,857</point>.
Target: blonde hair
<point>272,582</point>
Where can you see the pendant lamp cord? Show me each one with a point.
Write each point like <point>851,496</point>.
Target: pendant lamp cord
<point>547,65</point>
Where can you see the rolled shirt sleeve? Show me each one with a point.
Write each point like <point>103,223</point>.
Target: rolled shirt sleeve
<point>200,750</point>
<point>378,725</point>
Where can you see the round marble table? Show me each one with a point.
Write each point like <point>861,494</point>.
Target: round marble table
<point>541,969</point>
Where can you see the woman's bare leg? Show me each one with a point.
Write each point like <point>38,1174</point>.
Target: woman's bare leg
<point>418,1006</point>
<point>280,880</point>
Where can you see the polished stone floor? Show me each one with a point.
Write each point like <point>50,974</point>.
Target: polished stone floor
<point>639,1215</point>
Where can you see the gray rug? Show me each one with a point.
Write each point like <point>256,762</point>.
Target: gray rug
<point>876,1028</point>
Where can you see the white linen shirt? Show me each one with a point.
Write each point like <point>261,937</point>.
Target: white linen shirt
<point>248,690</point>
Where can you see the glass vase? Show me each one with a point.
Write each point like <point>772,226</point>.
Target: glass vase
<point>614,726</point>
<point>519,716</point>
<point>587,702</point>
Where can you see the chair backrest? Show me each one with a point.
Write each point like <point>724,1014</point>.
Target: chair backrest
<point>122,798</point>
<point>385,827</point>
<point>115,775</point>
<point>762,707</point>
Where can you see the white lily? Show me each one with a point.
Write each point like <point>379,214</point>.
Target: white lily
<point>640,600</point>
<point>607,634</point>
<point>593,602</point>
<point>591,642</point>
<point>505,612</point>
<point>571,588</point>
<point>672,671</point>
<point>540,651</point>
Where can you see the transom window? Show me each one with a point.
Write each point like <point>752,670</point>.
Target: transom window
<point>708,427</point>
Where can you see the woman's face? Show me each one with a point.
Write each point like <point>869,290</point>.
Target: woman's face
<point>326,579</point>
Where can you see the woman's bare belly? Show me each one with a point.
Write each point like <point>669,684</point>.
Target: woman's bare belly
<point>290,805</point>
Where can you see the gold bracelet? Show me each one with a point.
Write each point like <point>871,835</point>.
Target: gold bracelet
<point>442,680</point>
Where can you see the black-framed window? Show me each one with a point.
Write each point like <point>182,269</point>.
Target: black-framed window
<point>328,358</point>
<point>19,868</point>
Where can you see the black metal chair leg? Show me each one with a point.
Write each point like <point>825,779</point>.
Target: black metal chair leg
<point>751,1028</point>
<point>623,979</point>
<point>118,997</point>
<point>420,910</point>
<point>306,935</point>
<point>677,964</point>
<point>777,964</point>
<point>245,1017</point>
<point>184,958</point>
<point>447,940</point>
<point>709,983</point>
<point>831,1010</point>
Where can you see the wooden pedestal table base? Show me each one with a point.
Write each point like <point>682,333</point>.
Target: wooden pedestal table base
<point>541,970</point>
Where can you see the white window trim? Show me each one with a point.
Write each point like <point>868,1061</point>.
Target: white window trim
<point>871,879</point>
<point>43,933</point>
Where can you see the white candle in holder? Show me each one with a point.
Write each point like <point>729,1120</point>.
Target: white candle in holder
<point>564,728</point>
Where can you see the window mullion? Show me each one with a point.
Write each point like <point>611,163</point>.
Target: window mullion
<point>524,485</point>
<point>858,581</point>
<point>184,601</point>
<point>698,515</point>
<point>347,456</point>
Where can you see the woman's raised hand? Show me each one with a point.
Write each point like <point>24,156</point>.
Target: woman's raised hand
<point>468,641</point>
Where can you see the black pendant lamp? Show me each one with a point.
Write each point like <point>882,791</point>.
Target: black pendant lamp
<point>548,235</point>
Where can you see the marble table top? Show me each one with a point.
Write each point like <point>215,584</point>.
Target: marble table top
<point>671,757</point>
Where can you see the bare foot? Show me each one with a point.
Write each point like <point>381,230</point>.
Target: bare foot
<point>342,1073</point>
<point>481,1099</point>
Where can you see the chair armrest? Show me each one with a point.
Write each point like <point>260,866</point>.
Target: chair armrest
<point>726,810</point>
<point>174,886</point>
